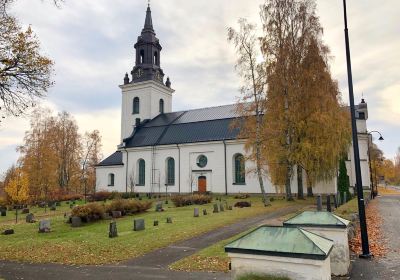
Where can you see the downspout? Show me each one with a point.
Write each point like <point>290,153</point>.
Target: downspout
<point>126,171</point>
<point>226,176</point>
<point>179,167</point>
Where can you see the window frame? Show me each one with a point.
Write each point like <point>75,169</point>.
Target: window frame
<point>111,180</point>
<point>141,172</point>
<point>136,106</point>
<point>170,172</point>
<point>239,169</point>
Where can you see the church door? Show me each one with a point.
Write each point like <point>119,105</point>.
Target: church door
<point>202,184</point>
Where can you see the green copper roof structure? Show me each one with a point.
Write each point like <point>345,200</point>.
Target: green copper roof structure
<point>282,241</point>
<point>317,219</point>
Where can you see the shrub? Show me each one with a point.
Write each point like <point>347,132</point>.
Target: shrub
<point>191,199</point>
<point>128,195</point>
<point>242,204</point>
<point>102,195</point>
<point>90,211</point>
<point>3,202</point>
<point>242,196</point>
<point>128,205</point>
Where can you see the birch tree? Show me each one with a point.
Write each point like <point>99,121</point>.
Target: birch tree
<point>251,102</point>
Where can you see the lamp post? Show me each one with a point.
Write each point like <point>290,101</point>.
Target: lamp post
<point>374,191</point>
<point>360,196</point>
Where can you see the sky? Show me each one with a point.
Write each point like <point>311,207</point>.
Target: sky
<point>91,43</point>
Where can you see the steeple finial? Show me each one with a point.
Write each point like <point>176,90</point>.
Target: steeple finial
<point>148,23</point>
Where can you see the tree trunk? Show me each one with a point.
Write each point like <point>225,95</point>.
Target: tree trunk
<point>300,192</point>
<point>265,198</point>
<point>309,188</point>
<point>289,196</point>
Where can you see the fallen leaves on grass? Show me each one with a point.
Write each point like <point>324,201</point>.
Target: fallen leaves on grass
<point>201,263</point>
<point>377,243</point>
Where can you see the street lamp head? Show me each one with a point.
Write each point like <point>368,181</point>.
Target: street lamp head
<point>381,138</point>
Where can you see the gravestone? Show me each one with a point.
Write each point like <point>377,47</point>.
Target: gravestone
<point>3,212</point>
<point>42,204</point>
<point>335,201</point>
<point>159,207</point>
<point>116,214</point>
<point>216,209</point>
<point>169,220</point>
<point>344,197</point>
<point>204,212</point>
<point>44,226</point>
<point>113,230</point>
<point>221,207</point>
<point>338,199</point>
<point>8,232</point>
<point>155,223</point>
<point>58,203</point>
<point>30,218</point>
<point>76,221</point>
<point>25,211</point>
<point>328,203</point>
<point>71,206</point>
<point>53,208</point>
<point>67,202</point>
<point>319,203</point>
<point>138,224</point>
<point>230,207</point>
<point>106,216</point>
<point>196,212</point>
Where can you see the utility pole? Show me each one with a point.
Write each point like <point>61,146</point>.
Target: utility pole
<point>359,187</point>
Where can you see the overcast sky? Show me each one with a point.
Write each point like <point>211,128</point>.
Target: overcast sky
<point>92,42</point>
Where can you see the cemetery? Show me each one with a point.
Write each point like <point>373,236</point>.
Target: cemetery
<point>116,234</point>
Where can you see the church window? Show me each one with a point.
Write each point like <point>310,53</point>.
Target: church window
<point>141,56</point>
<point>156,62</point>
<point>111,178</point>
<point>170,171</point>
<point>161,106</point>
<point>135,109</point>
<point>239,169</point>
<point>141,172</point>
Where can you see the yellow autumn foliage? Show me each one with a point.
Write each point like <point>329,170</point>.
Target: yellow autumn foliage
<point>18,188</point>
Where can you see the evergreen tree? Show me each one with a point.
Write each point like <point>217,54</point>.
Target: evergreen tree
<point>343,178</point>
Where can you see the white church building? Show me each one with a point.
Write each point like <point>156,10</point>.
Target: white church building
<point>187,151</point>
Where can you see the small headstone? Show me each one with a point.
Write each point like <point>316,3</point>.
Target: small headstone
<point>116,214</point>
<point>71,206</point>
<point>3,212</point>
<point>8,232</point>
<point>230,207</point>
<point>25,211</point>
<point>44,226</point>
<point>159,207</point>
<point>216,208</point>
<point>169,220</point>
<point>42,204</point>
<point>319,203</point>
<point>204,212</point>
<point>335,201</point>
<point>76,221</point>
<point>58,203</point>
<point>113,230</point>
<point>221,207</point>
<point>196,212</point>
<point>155,223</point>
<point>138,224</point>
<point>30,218</point>
<point>338,201</point>
<point>67,202</point>
<point>53,208</point>
<point>106,216</point>
<point>73,202</point>
<point>328,203</point>
<point>344,197</point>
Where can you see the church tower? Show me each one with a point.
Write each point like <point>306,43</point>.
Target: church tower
<point>145,95</point>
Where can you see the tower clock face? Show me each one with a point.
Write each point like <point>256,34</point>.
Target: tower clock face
<point>139,73</point>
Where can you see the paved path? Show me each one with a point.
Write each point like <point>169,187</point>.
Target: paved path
<point>153,265</point>
<point>387,268</point>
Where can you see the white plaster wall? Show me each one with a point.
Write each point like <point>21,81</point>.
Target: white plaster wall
<point>294,268</point>
<point>365,174</point>
<point>149,93</point>
<point>102,178</point>
<point>340,255</point>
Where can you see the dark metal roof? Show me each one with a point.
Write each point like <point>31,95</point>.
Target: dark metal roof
<point>114,159</point>
<point>199,125</point>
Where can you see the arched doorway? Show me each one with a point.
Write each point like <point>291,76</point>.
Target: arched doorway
<point>202,184</point>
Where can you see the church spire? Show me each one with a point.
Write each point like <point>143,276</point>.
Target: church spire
<point>148,23</point>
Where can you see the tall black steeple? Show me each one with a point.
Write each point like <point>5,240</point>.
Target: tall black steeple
<point>148,48</point>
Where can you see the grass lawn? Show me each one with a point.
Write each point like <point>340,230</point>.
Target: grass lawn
<point>90,244</point>
<point>214,258</point>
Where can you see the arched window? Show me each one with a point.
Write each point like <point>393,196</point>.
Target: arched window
<point>111,178</point>
<point>156,58</point>
<point>135,109</point>
<point>239,169</point>
<point>161,106</point>
<point>141,172</point>
<point>170,171</point>
<point>141,56</point>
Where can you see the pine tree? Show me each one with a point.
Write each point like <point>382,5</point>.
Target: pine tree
<point>343,179</point>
